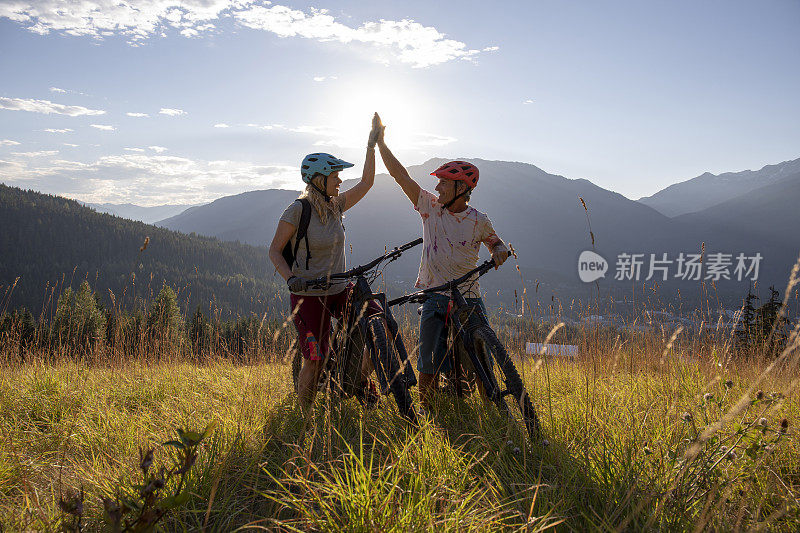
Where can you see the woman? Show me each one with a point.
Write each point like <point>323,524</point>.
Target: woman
<point>320,253</point>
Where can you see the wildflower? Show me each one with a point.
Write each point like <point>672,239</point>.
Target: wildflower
<point>545,442</point>
<point>759,395</point>
<point>647,450</point>
<point>723,449</point>
<point>516,451</point>
<point>763,422</point>
<point>728,384</point>
<point>687,417</point>
<point>510,443</point>
<point>708,397</point>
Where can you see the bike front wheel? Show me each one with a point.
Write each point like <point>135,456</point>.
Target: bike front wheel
<point>493,353</point>
<point>389,364</point>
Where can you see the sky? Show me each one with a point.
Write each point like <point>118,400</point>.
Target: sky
<point>180,102</point>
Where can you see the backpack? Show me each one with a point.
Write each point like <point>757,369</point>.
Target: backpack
<point>289,253</point>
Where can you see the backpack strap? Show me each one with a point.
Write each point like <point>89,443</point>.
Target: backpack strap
<point>302,229</point>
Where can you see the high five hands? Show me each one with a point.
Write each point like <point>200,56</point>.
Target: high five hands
<point>376,135</point>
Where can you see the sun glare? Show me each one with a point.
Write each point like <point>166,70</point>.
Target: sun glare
<point>402,110</point>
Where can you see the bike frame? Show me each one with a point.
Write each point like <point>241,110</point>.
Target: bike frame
<point>357,317</point>
<point>471,327</point>
<point>463,328</point>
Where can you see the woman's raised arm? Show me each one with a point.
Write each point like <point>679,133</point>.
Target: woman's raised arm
<point>352,196</point>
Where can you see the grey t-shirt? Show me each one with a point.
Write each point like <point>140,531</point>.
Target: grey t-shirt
<point>326,242</point>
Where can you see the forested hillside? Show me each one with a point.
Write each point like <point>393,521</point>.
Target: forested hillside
<point>51,242</point>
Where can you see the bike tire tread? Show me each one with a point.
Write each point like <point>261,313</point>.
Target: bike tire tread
<point>513,380</point>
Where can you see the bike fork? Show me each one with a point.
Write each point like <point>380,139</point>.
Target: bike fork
<point>491,387</point>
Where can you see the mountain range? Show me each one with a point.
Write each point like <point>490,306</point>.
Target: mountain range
<point>543,216</point>
<point>708,189</point>
<point>148,215</point>
<point>49,243</point>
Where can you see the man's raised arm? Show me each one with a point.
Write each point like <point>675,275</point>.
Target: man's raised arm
<point>398,171</point>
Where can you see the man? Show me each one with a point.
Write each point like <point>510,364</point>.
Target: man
<point>452,233</point>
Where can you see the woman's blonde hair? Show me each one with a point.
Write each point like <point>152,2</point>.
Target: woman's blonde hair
<point>323,208</point>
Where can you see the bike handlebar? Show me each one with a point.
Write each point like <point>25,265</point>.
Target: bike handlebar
<point>325,281</point>
<point>421,296</point>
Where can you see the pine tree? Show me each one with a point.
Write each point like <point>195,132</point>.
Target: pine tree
<point>164,320</point>
<point>771,324</point>
<point>79,323</point>
<point>744,333</point>
<point>199,332</point>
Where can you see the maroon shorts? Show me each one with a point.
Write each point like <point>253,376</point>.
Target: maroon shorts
<point>313,320</point>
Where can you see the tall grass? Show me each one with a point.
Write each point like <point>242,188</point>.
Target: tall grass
<point>654,428</point>
<point>620,451</point>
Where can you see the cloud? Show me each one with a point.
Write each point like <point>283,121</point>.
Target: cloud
<point>54,130</point>
<point>43,153</point>
<point>146,179</point>
<point>158,149</point>
<point>135,149</point>
<point>431,139</point>
<point>324,78</point>
<point>70,145</point>
<point>263,126</point>
<point>104,127</point>
<point>57,90</point>
<point>406,40</point>
<point>221,125</point>
<point>8,142</point>
<point>138,115</point>
<point>171,112</point>
<point>325,131</point>
<point>46,106</point>
<point>9,165</point>
<point>102,18</point>
<point>528,101</point>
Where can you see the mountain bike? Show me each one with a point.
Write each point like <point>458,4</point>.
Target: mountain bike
<point>475,350</point>
<point>363,329</point>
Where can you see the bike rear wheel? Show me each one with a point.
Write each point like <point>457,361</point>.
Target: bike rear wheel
<point>490,350</point>
<point>393,370</point>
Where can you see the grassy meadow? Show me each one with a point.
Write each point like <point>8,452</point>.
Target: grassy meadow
<point>628,447</point>
<point>656,430</point>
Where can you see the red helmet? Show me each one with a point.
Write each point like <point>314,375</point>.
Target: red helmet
<point>458,171</point>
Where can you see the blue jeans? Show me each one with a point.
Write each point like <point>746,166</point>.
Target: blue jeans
<point>433,334</point>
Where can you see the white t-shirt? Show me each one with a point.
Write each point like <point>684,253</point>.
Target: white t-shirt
<point>450,243</point>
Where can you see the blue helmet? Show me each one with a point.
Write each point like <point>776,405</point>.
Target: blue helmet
<point>320,163</point>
